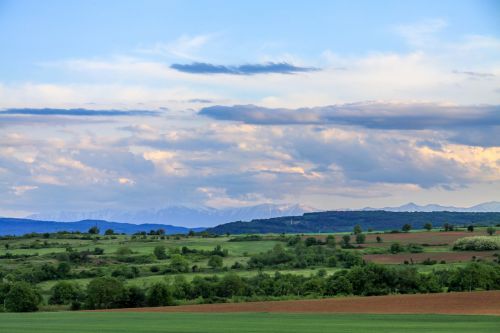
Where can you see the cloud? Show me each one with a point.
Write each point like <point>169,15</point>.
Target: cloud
<point>184,47</point>
<point>75,112</point>
<point>249,69</point>
<point>472,74</point>
<point>421,33</point>
<point>401,116</point>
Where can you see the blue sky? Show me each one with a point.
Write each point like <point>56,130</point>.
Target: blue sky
<point>328,103</point>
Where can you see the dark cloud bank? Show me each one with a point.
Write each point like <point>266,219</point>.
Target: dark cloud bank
<point>369,115</point>
<point>249,69</point>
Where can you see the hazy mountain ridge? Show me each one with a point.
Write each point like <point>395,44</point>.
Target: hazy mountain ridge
<point>492,206</point>
<point>180,215</point>
<point>13,226</point>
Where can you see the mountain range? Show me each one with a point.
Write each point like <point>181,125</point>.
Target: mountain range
<point>188,217</point>
<point>492,206</point>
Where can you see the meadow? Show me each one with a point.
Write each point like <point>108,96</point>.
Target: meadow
<point>87,322</point>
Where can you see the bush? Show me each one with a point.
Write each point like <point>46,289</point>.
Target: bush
<point>215,262</point>
<point>477,243</point>
<point>105,293</point>
<point>22,297</point>
<point>396,248</point>
<point>360,238</point>
<point>159,294</point>
<point>65,293</point>
<point>160,252</point>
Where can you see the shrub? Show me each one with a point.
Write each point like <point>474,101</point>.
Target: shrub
<point>159,294</point>
<point>396,248</point>
<point>360,238</point>
<point>22,297</point>
<point>160,252</point>
<point>104,293</point>
<point>215,262</point>
<point>477,243</point>
<point>65,293</point>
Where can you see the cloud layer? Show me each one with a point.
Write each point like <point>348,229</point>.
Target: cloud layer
<point>401,116</point>
<point>249,69</point>
<point>75,112</point>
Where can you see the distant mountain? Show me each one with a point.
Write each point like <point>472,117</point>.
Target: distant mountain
<point>493,206</point>
<point>12,226</point>
<point>179,215</point>
<point>339,221</point>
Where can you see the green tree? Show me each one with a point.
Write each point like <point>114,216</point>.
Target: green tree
<point>428,226</point>
<point>346,241</point>
<point>104,293</point>
<point>65,293</point>
<point>159,294</point>
<point>179,264</point>
<point>360,238</point>
<point>134,297</point>
<point>63,269</point>
<point>470,228</point>
<point>22,297</point>
<point>396,248</point>
<point>406,227</point>
<point>109,232</point>
<point>491,231</point>
<point>357,229</point>
<point>94,230</point>
<point>379,239</point>
<point>160,252</point>
<point>215,262</point>
<point>330,241</point>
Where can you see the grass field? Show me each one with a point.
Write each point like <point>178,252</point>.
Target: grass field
<point>85,322</point>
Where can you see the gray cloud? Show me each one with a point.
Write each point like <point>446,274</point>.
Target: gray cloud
<point>416,116</point>
<point>475,74</point>
<point>249,69</point>
<point>76,112</point>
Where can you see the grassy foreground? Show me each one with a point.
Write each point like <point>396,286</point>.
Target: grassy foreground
<point>86,322</point>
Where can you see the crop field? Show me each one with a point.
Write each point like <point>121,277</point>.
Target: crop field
<point>85,322</point>
<point>477,303</point>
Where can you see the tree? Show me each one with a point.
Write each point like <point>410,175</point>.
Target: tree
<point>346,241</point>
<point>65,293</point>
<point>379,239</point>
<point>63,269</point>
<point>406,227</point>
<point>215,262</point>
<point>159,252</point>
<point>360,238</point>
<point>470,228</point>
<point>22,297</point>
<point>428,226</point>
<point>104,293</point>
<point>396,248</point>
<point>159,294</point>
<point>491,231</point>
<point>179,264</point>
<point>109,232</point>
<point>134,297</point>
<point>94,230</point>
<point>7,245</point>
<point>330,241</point>
<point>357,229</point>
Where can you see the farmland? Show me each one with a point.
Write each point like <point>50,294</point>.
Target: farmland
<point>82,322</point>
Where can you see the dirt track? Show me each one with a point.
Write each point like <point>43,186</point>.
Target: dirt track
<point>486,302</point>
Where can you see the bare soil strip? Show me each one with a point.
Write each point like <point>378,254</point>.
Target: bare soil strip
<point>477,303</point>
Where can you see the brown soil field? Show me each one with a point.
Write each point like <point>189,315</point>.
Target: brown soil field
<point>419,257</point>
<point>431,238</point>
<point>483,302</point>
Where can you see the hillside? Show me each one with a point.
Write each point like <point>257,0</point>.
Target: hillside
<point>338,221</point>
<point>13,226</point>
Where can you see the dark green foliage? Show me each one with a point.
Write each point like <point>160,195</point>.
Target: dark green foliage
<point>357,229</point>
<point>65,293</point>
<point>341,221</point>
<point>159,294</point>
<point>406,227</point>
<point>428,226</point>
<point>470,228</point>
<point>94,230</point>
<point>346,241</point>
<point>360,238</point>
<point>178,264</point>
<point>491,231</point>
<point>215,262</point>
<point>396,248</point>
<point>379,239</point>
<point>330,241</point>
<point>134,297</point>
<point>109,232</point>
<point>22,297</point>
<point>105,293</point>
<point>127,272</point>
<point>160,252</point>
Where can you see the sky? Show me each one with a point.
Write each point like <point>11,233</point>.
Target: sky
<point>330,104</point>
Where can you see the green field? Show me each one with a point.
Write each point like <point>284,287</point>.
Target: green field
<point>241,322</point>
